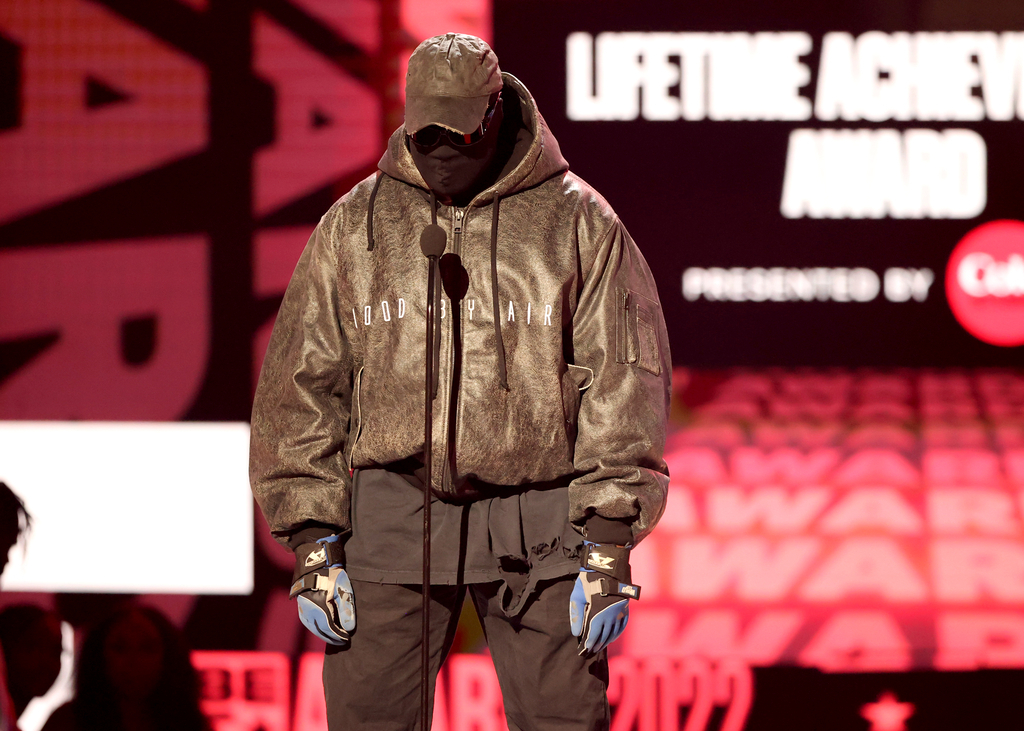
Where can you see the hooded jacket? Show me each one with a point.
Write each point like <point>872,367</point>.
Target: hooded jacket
<point>554,364</point>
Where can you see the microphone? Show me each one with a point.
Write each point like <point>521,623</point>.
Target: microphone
<point>432,243</point>
<point>433,240</point>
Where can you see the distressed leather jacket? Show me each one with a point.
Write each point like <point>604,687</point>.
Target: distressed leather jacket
<point>554,360</point>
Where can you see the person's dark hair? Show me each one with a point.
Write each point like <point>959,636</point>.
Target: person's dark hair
<point>15,520</point>
<point>174,702</point>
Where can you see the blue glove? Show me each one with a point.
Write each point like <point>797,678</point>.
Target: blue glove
<point>326,603</point>
<point>599,603</point>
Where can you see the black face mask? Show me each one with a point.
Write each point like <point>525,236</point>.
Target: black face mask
<point>457,174</point>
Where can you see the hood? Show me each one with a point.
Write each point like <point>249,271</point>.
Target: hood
<point>536,150</point>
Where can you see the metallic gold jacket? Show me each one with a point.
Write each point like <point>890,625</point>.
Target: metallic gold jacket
<point>580,339</point>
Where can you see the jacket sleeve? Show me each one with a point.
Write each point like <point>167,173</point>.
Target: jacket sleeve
<point>300,417</point>
<point>619,333</point>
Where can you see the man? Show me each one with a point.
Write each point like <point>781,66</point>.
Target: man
<point>549,413</point>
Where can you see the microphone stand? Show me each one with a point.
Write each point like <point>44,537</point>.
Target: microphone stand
<point>432,242</point>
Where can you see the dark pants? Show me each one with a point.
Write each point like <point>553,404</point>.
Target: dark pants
<point>374,685</point>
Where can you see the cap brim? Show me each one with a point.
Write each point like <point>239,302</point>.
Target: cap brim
<point>458,113</point>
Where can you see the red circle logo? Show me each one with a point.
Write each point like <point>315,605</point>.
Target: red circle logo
<point>985,282</point>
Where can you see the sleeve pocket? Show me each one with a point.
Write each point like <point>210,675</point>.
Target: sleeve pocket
<point>636,331</point>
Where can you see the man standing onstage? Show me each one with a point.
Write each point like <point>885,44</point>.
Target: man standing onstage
<point>549,411</point>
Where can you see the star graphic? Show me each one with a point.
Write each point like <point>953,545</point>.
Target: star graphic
<point>887,713</point>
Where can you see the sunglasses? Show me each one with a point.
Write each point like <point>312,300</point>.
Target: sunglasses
<point>432,136</point>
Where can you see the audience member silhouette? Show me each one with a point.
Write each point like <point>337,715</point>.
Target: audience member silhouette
<point>133,674</point>
<point>31,641</point>
<point>14,522</point>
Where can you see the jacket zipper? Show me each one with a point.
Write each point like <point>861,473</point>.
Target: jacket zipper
<point>458,220</point>
<point>622,327</point>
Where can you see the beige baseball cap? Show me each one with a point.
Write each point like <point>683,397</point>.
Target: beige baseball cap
<point>450,80</point>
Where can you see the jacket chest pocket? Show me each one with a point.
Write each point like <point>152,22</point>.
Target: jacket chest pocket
<point>636,331</point>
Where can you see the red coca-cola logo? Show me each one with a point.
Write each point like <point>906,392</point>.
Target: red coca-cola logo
<point>985,282</point>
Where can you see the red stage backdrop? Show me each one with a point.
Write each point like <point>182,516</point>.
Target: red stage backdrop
<point>846,520</point>
<point>829,197</point>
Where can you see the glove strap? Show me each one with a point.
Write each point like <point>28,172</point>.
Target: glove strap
<point>611,587</point>
<point>309,582</point>
<point>607,559</point>
<point>325,553</point>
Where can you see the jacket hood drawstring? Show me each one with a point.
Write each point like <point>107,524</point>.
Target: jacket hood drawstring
<point>499,344</point>
<point>369,210</point>
<point>435,377</point>
<point>370,241</point>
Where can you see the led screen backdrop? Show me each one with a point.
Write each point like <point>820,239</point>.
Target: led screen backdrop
<point>148,479</point>
<point>800,174</point>
<point>828,196</point>
<point>163,166</point>
<point>844,520</point>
